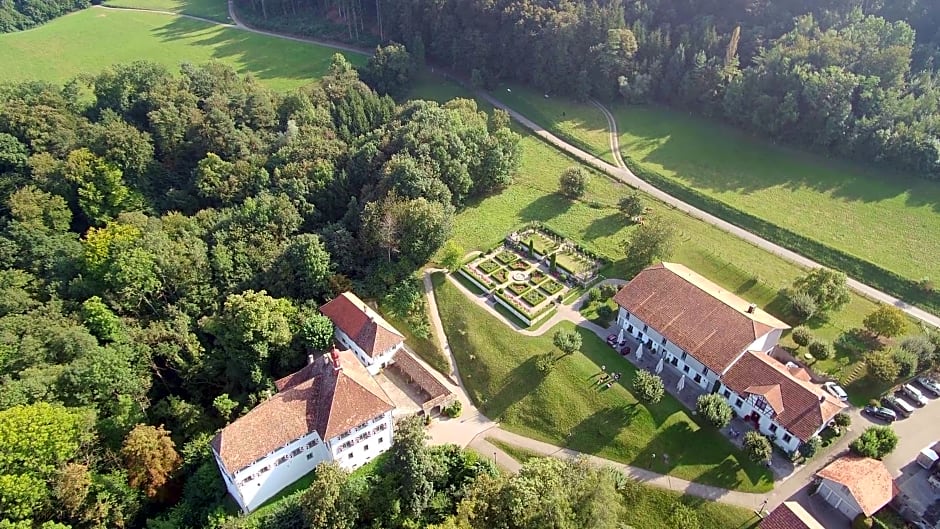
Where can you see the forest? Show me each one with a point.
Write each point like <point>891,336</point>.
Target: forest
<point>852,78</point>
<point>166,240</point>
<point>23,14</point>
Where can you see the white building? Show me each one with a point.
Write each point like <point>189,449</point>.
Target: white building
<point>703,331</point>
<point>856,485</point>
<point>331,410</point>
<point>374,341</point>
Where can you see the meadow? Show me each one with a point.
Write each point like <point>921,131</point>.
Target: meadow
<point>90,40</point>
<point>212,9</point>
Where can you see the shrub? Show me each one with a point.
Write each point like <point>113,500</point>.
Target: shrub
<point>820,350</point>
<point>567,341</point>
<point>843,420</point>
<point>573,182</point>
<point>595,294</point>
<point>545,362</point>
<point>648,387</point>
<point>605,312</point>
<point>801,304</point>
<point>802,336</point>
<point>811,447</point>
<point>684,517</point>
<point>876,442</point>
<point>631,206</point>
<point>862,522</point>
<point>882,367</point>
<point>453,411</point>
<point>921,346</point>
<point>608,291</point>
<point>757,447</point>
<point>715,409</point>
<point>906,361</point>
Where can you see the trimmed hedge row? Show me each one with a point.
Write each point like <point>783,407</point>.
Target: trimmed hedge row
<point>855,267</point>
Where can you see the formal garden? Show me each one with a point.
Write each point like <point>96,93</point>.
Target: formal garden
<point>532,271</point>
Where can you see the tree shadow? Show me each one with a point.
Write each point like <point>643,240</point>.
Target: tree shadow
<point>605,226</point>
<point>520,382</point>
<point>544,208</point>
<point>598,431</point>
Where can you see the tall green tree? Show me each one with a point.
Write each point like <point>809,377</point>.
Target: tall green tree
<point>150,458</point>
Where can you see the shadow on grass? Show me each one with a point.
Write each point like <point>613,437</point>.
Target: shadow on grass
<point>544,208</point>
<point>605,226</point>
<point>596,432</point>
<point>520,382</point>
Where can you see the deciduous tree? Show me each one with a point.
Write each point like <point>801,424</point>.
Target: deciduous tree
<point>150,458</point>
<point>885,320</point>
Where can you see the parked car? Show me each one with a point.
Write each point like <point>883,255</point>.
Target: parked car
<point>903,408</point>
<point>836,390</point>
<point>914,394</point>
<point>612,340</point>
<point>930,385</point>
<point>884,414</point>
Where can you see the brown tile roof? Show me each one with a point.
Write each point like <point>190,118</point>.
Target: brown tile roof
<point>867,479</point>
<point>790,515</point>
<point>706,321</point>
<point>801,407</point>
<point>420,376</point>
<point>316,398</point>
<point>370,332</point>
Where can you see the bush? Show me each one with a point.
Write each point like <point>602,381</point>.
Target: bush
<point>648,387</point>
<point>608,291</point>
<point>811,447</point>
<point>921,346</point>
<point>862,522</point>
<point>885,320</point>
<point>573,182</point>
<point>757,447</point>
<point>801,304</point>
<point>875,442</point>
<point>595,294</point>
<point>453,411</point>
<point>802,336</point>
<point>684,517</point>
<point>715,409</point>
<point>843,420</point>
<point>605,312</point>
<point>906,361</point>
<point>545,362</point>
<point>820,350</point>
<point>882,367</point>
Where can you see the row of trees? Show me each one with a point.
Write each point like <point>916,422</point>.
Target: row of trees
<point>24,14</point>
<point>165,241</point>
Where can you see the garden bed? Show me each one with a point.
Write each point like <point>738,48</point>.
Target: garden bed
<point>488,266</point>
<point>551,286</point>
<point>507,257</point>
<point>533,297</point>
<point>501,275</point>
<point>518,288</point>
<point>520,265</point>
<point>570,263</point>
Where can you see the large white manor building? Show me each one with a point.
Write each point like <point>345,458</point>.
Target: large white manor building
<point>723,344</point>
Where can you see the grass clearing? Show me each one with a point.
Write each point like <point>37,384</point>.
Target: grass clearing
<point>212,9</point>
<point>92,39</point>
<point>518,453</point>
<point>564,407</point>
<point>426,348</point>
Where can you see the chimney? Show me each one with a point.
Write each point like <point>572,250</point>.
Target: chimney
<point>310,359</point>
<point>822,398</point>
<point>751,308</point>
<point>334,356</point>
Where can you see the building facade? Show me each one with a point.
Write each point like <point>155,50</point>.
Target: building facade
<point>363,331</point>
<point>856,485</point>
<point>282,439</point>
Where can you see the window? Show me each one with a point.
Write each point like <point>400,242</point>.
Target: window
<point>663,341</point>
<point>773,428</point>
<point>297,451</point>
<point>760,403</point>
<point>630,329</point>
<point>627,313</point>
<point>786,438</point>
<point>684,355</point>
<point>698,378</point>
<point>737,403</point>
<point>365,448</point>
<point>309,456</point>
<point>350,455</point>
<point>313,443</point>
<point>645,327</point>
<point>685,368</point>
<point>381,439</point>
<point>726,393</point>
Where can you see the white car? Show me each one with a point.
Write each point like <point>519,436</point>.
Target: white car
<point>914,394</point>
<point>929,384</point>
<point>836,390</point>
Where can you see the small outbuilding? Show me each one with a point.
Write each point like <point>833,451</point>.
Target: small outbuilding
<point>856,485</point>
<point>790,515</point>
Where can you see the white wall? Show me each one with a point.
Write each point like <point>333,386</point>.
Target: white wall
<point>253,485</point>
<point>673,353</point>
<point>363,443</point>
<point>780,436</point>
<point>373,365</point>
<point>838,495</point>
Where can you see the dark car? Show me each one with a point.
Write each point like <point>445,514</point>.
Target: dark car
<point>612,340</point>
<point>882,413</point>
<point>903,409</point>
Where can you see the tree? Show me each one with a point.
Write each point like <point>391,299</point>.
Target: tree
<point>809,448</point>
<point>875,442</point>
<point>715,409</point>
<point>826,287</point>
<point>331,502</point>
<point>303,271</point>
<point>452,256</point>
<point>37,439</point>
<point>882,366</point>
<point>907,362</point>
<point>389,70</point>
<point>757,447</point>
<point>802,336</point>
<point>631,206</point>
<point>573,182</point>
<point>316,330</point>
<point>843,420</point>
<point>820,350</point>
<point>801,304</point>
<point>651,241</point>
<point>102,194</point>
<point>99,319</point>
<point>648,387</point>
<point>885,320</point>
<point>411,462</point>
<point>225,406</point>
<point>568,341</point>
<point>150,458</point>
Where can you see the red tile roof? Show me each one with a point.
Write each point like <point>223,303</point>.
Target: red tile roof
<point>708,322</point>
<point>867,479</point>
<point>316,398</point>
<point>790,515</point>
<point>801,407</point>
<point>362,324</point>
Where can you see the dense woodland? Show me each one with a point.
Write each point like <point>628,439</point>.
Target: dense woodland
<point>855,78</point>
<point>24,14</point>
<point>166,240</point>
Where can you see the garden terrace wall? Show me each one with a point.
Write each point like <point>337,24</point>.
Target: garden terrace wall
<point>528,320</point>
<point>473,279</point>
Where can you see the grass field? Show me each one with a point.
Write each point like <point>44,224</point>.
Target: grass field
<point>889,220</point>
<point>564,407</point>
<point>90,40</point>
<point>212,9</point>
<point>650,507</point>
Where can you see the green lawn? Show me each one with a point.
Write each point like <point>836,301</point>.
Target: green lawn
<point>212,9</point>
<point>649,507</point>
<point>564,407</point>
<point>92,39</point>
<point>427,348</point>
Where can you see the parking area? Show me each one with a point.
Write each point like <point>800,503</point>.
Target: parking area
<point>406,398</point>
<point>917,497</point>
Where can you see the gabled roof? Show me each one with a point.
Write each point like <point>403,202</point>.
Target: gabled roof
<point>790,515</point>
<point>316,398</point>
<point>708,322</point>
<point>363,325</point>
<point>867,479</point>
<point>802,407</point>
